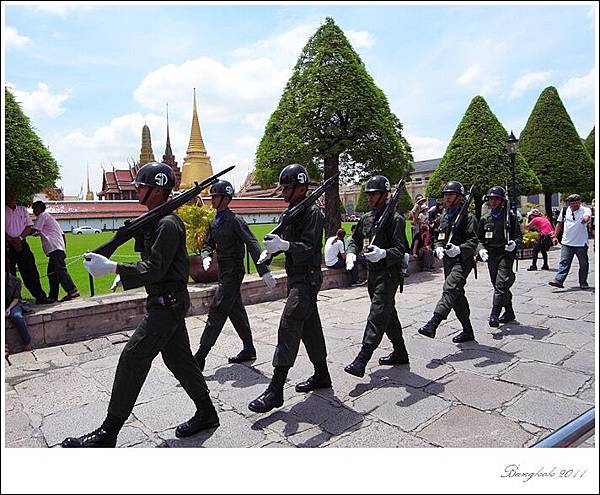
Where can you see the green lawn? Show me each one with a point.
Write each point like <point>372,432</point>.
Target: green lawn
<point>77,245</point>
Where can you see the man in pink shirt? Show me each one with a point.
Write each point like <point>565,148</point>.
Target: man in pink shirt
<point>53,243</point>
<point>17,226</point>
<point>540,224</point>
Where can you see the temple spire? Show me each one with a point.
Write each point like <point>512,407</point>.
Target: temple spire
<point>146,153</point>
<point>169,157</point>
<point>89,196</point>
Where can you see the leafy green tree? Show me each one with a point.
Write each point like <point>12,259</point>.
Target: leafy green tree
<point>405,203</point>
<point>30,166</point>
<point>550,144</point>
<point>477,154</point>
<point>590,142</point>
<point>332,117</point>
<point>361,202</point>
<point>342,207</point>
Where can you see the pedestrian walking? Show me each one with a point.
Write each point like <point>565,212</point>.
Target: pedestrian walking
<point>536,222</point>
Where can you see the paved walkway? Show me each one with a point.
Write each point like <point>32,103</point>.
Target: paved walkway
<point>508,389</point>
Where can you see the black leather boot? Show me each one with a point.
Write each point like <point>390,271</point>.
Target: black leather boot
<point>200,356</point>
<point>466,335</point>
<point>320,379</point>
<point>204,419</point>
<point>509,314</point>
<point>398,356</point>
<point>428,330</point>
<point>97,438</point>
<point>495,316</point>
<point>273,396</point>
<point>245,355</point>
<point>357,367</point>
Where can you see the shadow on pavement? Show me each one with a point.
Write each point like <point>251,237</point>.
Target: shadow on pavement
<point>239,375</point>
<point>474,350</point>
<point>515,329</point>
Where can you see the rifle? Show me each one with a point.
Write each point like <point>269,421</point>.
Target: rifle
<point>459,218</point>
<point>132,227</point>
<point>383,220</point>
<point>507,228</point>
<point>291,214</point>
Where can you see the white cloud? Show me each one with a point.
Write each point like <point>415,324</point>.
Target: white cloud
<point>528,81</point>
<point>13,38</point>
<point>579,87</point>
<point>360,39</point>
<point>60,10</point>
<point>469,76</point>
<point>426,148</point>
<point>40,102</point>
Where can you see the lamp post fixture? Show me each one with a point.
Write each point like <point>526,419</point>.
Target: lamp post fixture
<point>511,147</point>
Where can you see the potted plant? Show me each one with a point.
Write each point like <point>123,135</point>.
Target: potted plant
<point>529,240</point>
<point>196,219</point>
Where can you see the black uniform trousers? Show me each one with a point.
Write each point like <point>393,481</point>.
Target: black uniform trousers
<point>453,292</point>
<point>227,303</point>
<point>162,331</point>
<point>383,318</point>
<point>300,321</point>
<point>502,276</point>
<point>27,268</point>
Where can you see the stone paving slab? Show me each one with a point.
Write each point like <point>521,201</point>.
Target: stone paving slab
<point>509,388</point>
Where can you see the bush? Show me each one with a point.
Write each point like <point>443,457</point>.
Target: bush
<point>196,220</point>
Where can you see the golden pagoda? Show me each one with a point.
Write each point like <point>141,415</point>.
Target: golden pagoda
<point>89,196</point>
<point>196,164</point>
<point>146,154</point>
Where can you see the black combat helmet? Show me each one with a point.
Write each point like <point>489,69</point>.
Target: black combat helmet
<point>378,183</point>
<point>496,192</point>
<point>155,174</point>
<point>222,188</point>
<point>455,187</point>
<point>292,175</point>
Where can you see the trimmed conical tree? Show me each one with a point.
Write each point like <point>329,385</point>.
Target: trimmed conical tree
<point>550,144</point>
<point>477,154</point>
<point>590,142</point>
<point>30,166</point>
<point>332,117</point>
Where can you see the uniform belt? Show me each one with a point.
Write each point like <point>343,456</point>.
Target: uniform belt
<point>163,288</point>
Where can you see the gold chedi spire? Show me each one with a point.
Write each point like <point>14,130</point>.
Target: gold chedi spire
<point>196,164</point>
<point>146,154</point>
<point>89,196</point>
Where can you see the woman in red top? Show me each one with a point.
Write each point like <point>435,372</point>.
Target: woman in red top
<point>539,223</point>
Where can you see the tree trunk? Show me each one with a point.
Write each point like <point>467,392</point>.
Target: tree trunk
<point>548,207</point>
<point>333,217</point>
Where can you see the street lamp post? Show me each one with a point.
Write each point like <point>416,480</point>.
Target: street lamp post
<point>511,147</point>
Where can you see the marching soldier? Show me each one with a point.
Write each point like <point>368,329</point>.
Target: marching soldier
<point>228,233</point>
<point>300,319</point>
<point>499,252</point>
<point>163,271</point>
<point>384,272</point>
<point>458,259</point>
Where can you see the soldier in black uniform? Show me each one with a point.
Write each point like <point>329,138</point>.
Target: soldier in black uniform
<point>384,272</point>
<point>459,259</point>
<point>499,252</point>
<point>300,319</point>
<point>163,271</point>
<point>227,235</point>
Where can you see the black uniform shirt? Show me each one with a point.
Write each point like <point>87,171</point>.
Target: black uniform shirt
<point>164,264</point>
<point>492,234</point>
<point>393,240</point>
<point>305,236</point>
<point>227,236</point>
<point>465,235</point>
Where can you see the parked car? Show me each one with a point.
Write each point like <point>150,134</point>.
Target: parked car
<point>86,229</point>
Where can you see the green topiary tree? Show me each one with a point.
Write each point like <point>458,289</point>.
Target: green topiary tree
<point>361,202</point>
<point>405,203</point>
<point>332,117</point>
<point>550,144</point>
<point>30,166</point>
<point>590,143</point>
<point>477,154</point>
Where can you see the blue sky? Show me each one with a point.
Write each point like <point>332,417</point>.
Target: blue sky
<point>89,76</point>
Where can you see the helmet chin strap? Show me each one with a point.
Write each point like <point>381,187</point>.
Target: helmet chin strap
<point>220,201</point>
<point>145,198</point>
<point>379,200</point>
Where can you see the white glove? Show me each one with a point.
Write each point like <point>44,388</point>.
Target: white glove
<point>264,256</point>
<point>268,279</point>
<point>483,254</point>
<point>97,265</point>
<point>439,252</point>
<point>274,244</point>
<point>350,259</point>
<point>116,283</point>
<point>374,254</point>
<point>452,250</point>
<point>510,247</point>
<point>206,263</point>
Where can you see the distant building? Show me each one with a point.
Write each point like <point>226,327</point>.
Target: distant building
<point>420,177</point>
